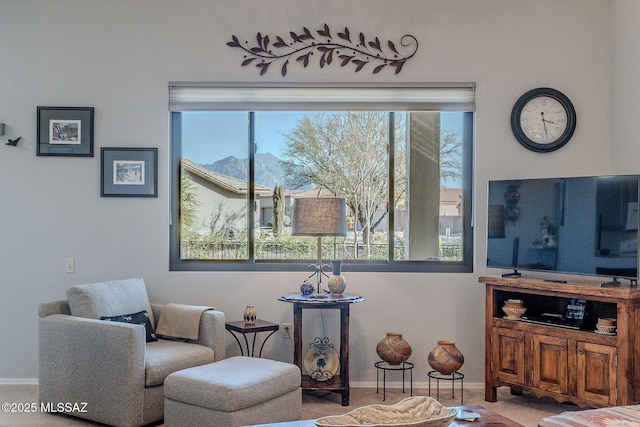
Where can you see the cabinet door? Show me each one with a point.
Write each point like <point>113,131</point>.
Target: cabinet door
<point>550,357</point>
<point>597,373</point>
<point>508,355</point>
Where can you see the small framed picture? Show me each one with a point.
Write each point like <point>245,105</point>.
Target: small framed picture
<point>129,172</point>
<point>65,131</point>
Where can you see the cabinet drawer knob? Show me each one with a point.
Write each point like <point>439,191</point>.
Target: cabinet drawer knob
<point>519,337</point>
<point>580,349</point>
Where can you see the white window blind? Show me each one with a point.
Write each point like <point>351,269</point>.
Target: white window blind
<point>203,96</point>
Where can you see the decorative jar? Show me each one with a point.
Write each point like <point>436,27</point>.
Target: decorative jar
<point>393,349</point>
<point>514,309</point>
<point>445,357</point>
<point>250,315</point>
<point>306,288</point>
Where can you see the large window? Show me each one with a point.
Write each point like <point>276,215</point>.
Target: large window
<point>399,156</point>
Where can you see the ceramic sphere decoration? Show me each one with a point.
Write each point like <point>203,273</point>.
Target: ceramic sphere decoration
<point>445,357</point>
<point>337,282</point>
<point>393,349</point>
<point>250,315</point>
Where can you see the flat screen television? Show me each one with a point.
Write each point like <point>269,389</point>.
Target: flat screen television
<point>576,225</point>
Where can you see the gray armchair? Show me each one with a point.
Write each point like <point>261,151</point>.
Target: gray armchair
<point>109,365</point>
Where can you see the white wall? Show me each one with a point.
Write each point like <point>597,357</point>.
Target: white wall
<point>625,132</point>
<point>118,57</point>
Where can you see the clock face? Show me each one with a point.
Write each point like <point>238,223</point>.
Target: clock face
<point>543,120</point>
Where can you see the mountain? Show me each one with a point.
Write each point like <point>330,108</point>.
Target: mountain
<point>268,170</point>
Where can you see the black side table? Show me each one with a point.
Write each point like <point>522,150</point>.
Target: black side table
<point>451,377</point>
<point>244,329</point>
<point>386,366</point>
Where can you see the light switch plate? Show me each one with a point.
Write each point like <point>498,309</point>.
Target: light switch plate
<point>1,128</point>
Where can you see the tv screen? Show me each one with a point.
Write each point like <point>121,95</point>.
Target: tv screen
<point>578,225</point>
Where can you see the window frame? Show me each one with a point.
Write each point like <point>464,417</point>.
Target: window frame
<point>176,263</point>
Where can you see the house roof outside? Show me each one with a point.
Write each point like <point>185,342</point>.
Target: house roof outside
<point>450,200</point>
<point>229,183</point>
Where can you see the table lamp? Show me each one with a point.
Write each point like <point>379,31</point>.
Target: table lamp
<point>319,216</point>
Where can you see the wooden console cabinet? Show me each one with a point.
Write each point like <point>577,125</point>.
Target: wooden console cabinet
<point>568,365</point>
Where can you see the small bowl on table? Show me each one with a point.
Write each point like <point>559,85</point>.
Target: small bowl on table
<point>606,325</point>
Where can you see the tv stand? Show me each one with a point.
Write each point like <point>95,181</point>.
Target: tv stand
<point>614,282</point>
<point>581,366</point>
<point>514,274</point>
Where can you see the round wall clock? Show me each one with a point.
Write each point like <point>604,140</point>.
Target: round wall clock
<point>543,120</point>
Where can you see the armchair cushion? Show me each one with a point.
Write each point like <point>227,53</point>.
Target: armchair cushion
<point>164,357</point>
<point>112,298</point>
<point>139,318</point>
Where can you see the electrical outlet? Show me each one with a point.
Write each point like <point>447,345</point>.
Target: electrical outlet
<point>69,265</point>
<point>286,330</point>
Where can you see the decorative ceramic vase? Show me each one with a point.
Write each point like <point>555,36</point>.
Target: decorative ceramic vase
<point>250,315</point>
<point>337,282</point>
<point>393,349</point>
<point>306,288</point>
<point>445,358</point>
<point>514,309</point>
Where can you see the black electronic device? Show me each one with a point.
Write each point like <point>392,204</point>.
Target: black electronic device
<point>574,225</point>
<point>551,319</point>
<point>575,312</point>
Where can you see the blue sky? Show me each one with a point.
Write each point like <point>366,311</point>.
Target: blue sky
<point>208,137</point>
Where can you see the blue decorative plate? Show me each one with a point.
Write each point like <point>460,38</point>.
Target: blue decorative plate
<point>322,361</point>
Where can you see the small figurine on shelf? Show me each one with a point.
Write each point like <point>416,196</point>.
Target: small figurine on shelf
<point>548,233</point>
<point>306,288</point>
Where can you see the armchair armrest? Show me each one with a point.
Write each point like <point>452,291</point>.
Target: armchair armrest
<point>93,361</point>
<point>212,333</point>
<point>212,330</point>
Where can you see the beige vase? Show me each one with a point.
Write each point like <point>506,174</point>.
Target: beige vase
<point>445,357</point>
<point>250,315</point>
<point>337,282</point>
<point>393,348</point>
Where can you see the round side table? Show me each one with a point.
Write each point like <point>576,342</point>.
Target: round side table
<point>386,366</point>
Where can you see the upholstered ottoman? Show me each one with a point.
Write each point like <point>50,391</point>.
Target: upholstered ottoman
<point>233,392</point>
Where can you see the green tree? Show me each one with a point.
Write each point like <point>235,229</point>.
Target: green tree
<point>188,203</point>
<point>347,154</point>
<point>450,159</point>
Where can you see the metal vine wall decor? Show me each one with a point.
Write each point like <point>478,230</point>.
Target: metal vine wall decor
<point>303,45</point>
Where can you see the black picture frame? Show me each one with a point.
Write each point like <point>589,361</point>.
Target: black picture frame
<point>65,131</point>
<point>128,172</point>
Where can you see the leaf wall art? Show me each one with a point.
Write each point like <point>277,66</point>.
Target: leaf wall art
<point>358,51</point>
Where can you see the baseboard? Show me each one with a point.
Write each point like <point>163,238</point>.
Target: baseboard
<point>18,381</point>
<point>416,384</point>
<point>354,384</point>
